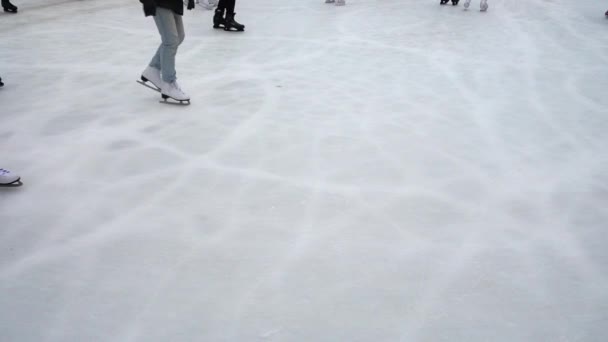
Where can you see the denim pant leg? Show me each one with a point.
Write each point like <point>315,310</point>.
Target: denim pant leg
<point>171,29</point>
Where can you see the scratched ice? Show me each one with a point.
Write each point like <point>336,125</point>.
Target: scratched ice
<point>391,170</point>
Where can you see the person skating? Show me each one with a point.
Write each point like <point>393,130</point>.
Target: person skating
<point>227,23</point>
<point>161,69</point>
<point>483,5</point>
<point>8,7</point>
<point>337,2</point>
<point>9,178</point>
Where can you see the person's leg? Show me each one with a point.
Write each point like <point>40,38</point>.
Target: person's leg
<point>218,18</point>
<point>230,22</point>
<point>171,28</point>
<point>230,6</point>
<point>168,28</point>
<point>179,25</point>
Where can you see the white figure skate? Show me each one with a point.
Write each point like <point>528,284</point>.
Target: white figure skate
<point>483,5</point>
<point>8,178</point>
<point>207,4</point>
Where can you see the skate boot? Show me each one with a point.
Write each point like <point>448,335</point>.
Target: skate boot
<point>218,19</point>
<point>206,4</point>
<point>443,2</point>
<point>330,1</point>
<point>8,7</point>
<point>455,2</point>
<point>340,2</point>
<point>8,178</point>
<point>1,84</point>
<point>483,5</point>
<point>152,75</point>
<point>171,90</point>
<point>232,24</point>
<point>467,3</point>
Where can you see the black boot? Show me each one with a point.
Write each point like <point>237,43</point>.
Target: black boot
<point>218,19</point>
<point>1,84</point>
<point>8,7</point>
<point>232,24</point>
<point>443,2</point>
<point>455,2</point>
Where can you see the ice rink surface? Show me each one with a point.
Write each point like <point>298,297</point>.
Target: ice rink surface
<point>392,170</point>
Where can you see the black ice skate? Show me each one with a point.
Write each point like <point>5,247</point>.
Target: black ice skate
<point>232,25</point>
<point>218,19</point>
<point>8,7</point>
<point>455,2</point>
<point>443,2</point>
<point>1,84</point>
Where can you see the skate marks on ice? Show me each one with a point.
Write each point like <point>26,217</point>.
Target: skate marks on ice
<point>379,183</point>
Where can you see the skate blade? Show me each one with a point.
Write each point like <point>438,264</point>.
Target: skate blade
<point>145,84</point>
<point>14,184</point>
<point>171,101</point>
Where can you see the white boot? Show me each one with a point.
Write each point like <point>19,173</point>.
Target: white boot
<point>7,177</point>
<point>483,5</point>
<point>152,75</point>
<point>340,2</point>
<point>173,91</point>
<point>206,4</point>
<point>467,3</point>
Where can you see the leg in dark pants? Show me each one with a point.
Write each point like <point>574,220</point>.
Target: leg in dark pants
<point>228,22</point>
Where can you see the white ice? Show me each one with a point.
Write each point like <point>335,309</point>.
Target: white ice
<point>391,170</point>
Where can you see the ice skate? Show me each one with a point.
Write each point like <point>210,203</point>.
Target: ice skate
<point>206,4</point>
<point>1,84</point>
<point>455,2</point>
<point>218,19</point>
<point>231,24</point>
<point>483,5</point>
<point>8,178</point>
<point>330,1</point>
<point>171,90</point>
<point>340,2</point>
<point>151,78</point>
<point>443,2</point>
<point>8,7</point>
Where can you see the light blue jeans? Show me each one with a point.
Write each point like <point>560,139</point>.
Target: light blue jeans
<point>171,29</point>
